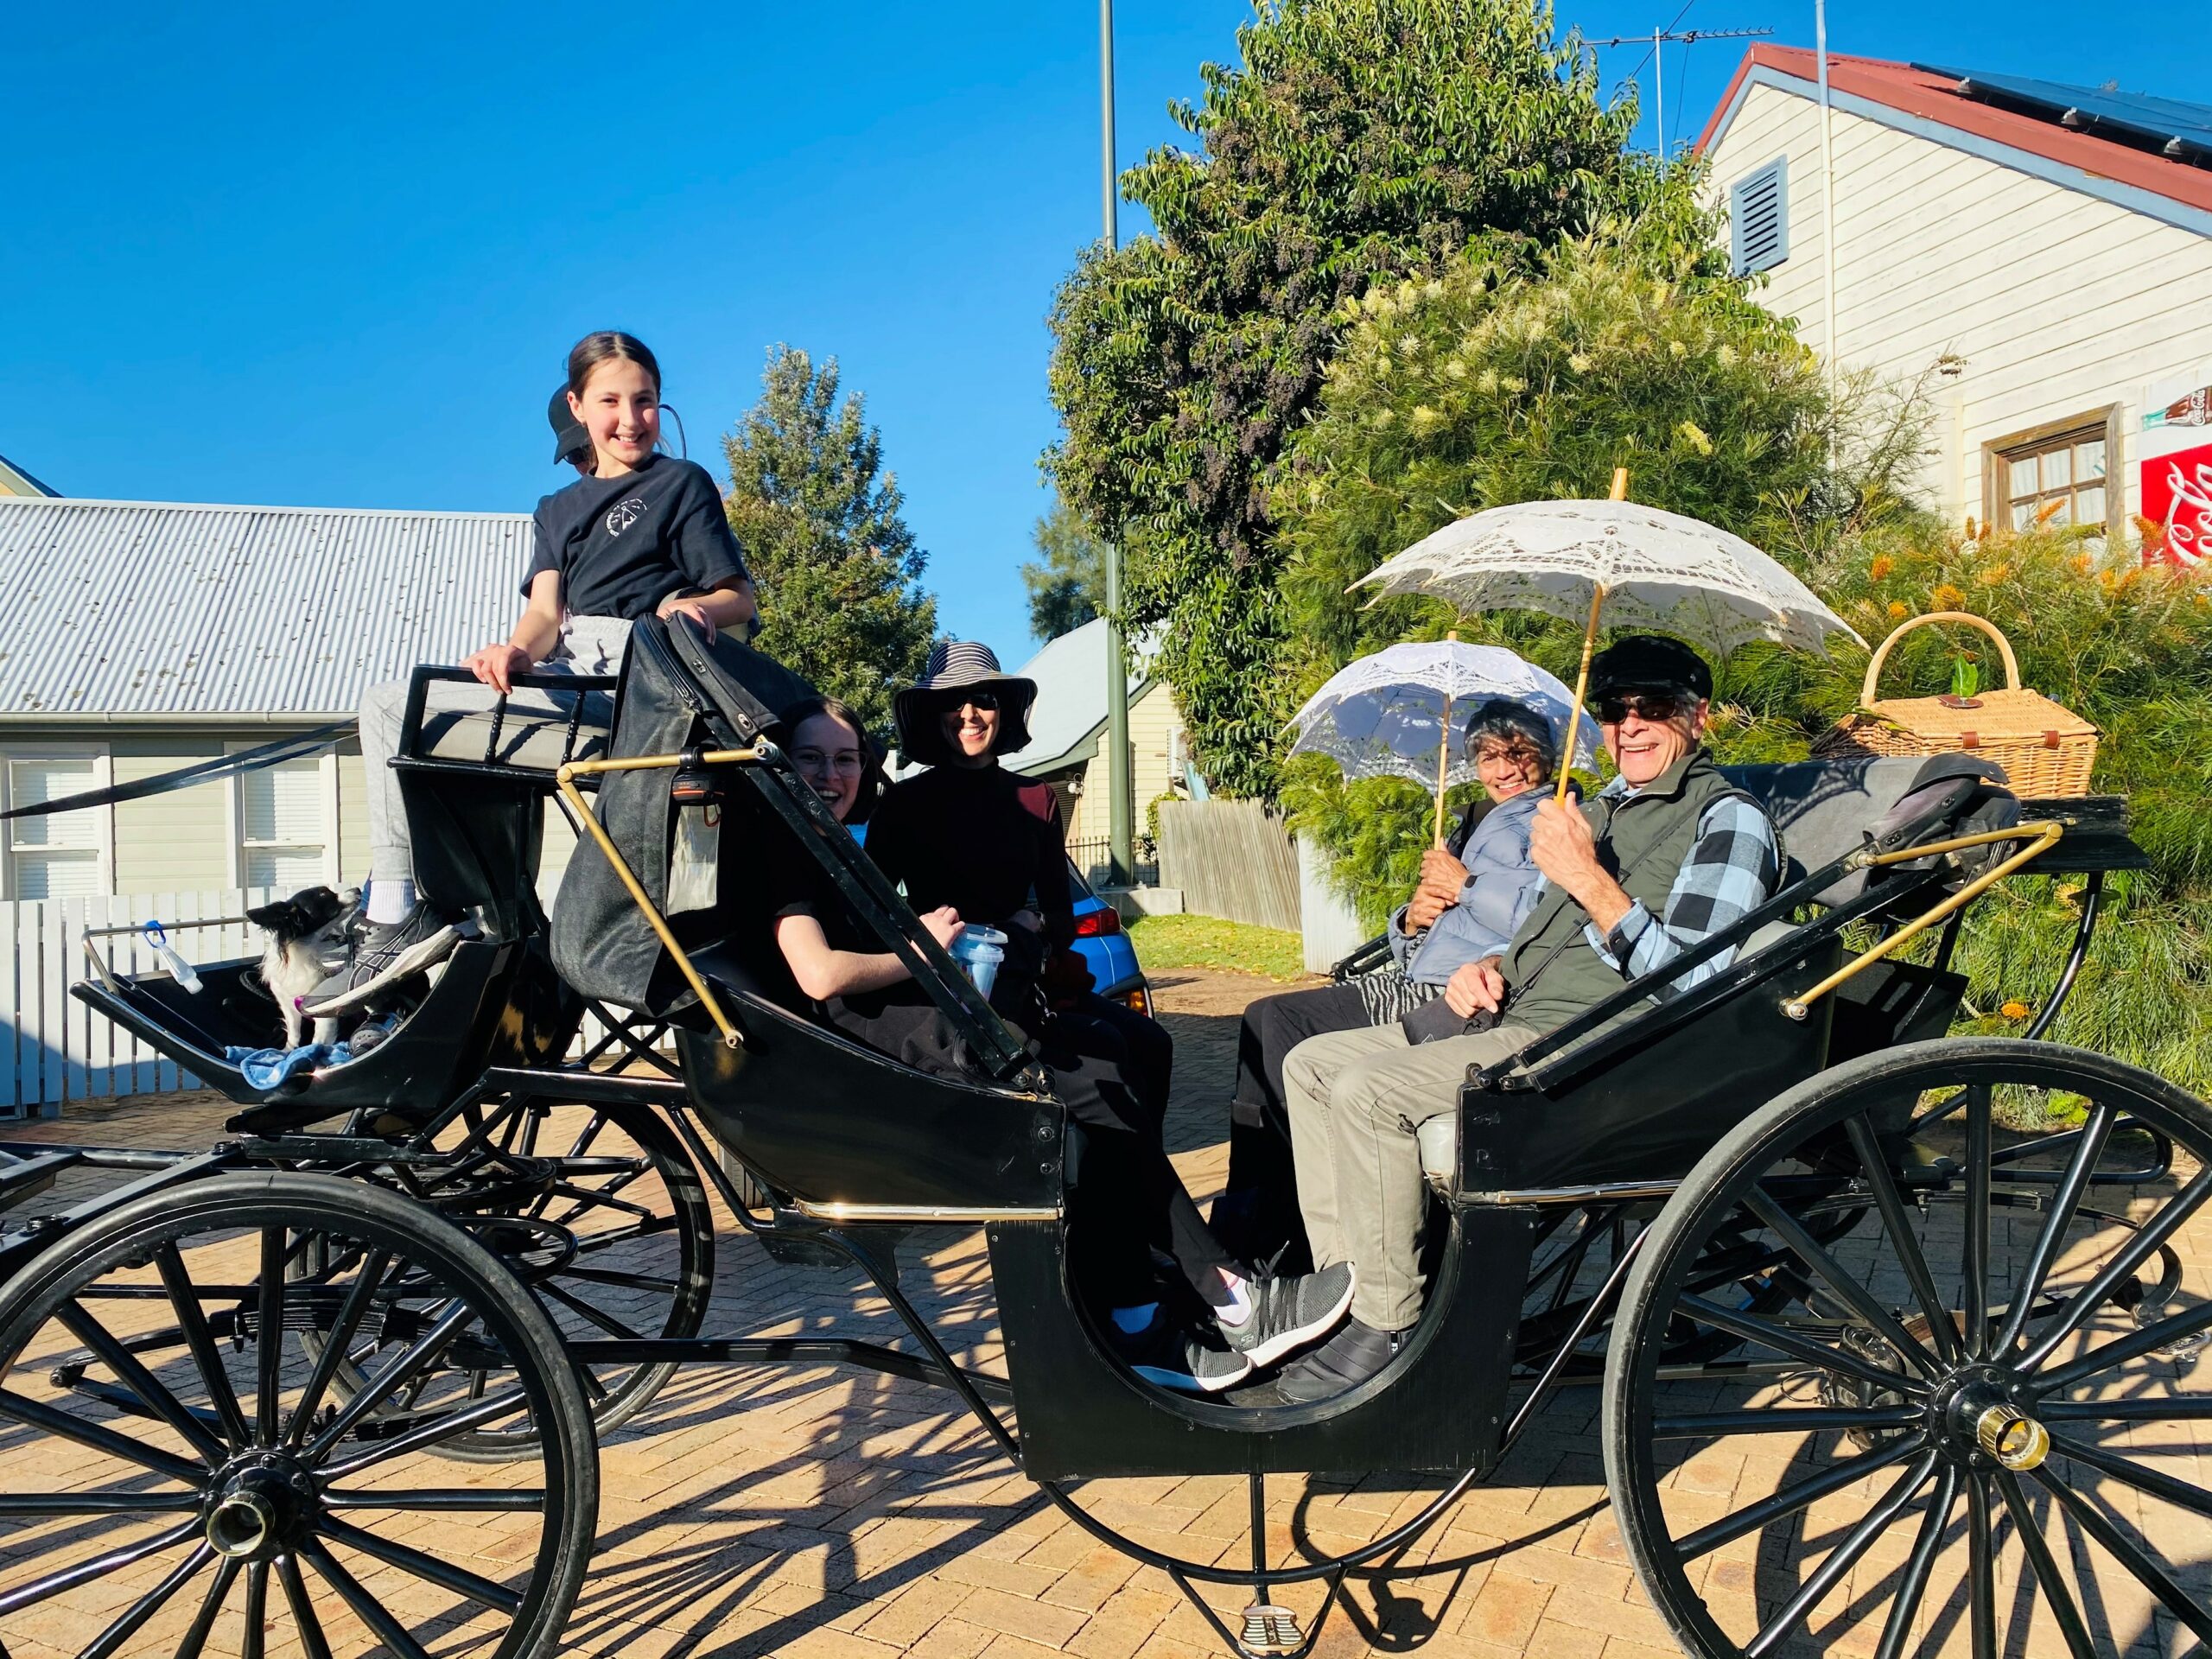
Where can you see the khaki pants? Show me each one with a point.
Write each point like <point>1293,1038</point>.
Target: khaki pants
<point>1357,1100</point>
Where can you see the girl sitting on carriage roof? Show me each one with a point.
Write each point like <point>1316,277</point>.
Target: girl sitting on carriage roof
<point>638,534</point>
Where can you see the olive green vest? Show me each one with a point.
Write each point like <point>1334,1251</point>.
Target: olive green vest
<point>1642,840</point>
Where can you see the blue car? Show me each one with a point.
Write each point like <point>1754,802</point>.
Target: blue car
<point>1105,948</point>
<point>1109,951</point>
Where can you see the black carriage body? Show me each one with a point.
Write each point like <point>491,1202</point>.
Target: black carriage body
<point>494,1004</point>
<point>1442,1405</point>
<point>852,1135</point>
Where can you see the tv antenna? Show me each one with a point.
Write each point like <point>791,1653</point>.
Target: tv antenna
<point>1656,40</point>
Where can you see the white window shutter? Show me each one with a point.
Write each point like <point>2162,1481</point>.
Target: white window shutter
<point>1758,219</point>
<point>36,781</point>
<point>283,804</point>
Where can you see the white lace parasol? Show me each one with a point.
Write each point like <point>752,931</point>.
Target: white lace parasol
<point>1657,570</point>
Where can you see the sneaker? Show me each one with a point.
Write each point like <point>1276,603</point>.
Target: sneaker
<point>1195,1361</point>
<point>384,954</point>
<point>1288,1313</point>
<point>1355,1353</point>
<point>372,1035</point>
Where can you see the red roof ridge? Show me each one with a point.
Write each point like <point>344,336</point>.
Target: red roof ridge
<point>1933,96</point>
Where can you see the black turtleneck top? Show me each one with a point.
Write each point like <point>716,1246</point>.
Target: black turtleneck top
<point>986,840</point>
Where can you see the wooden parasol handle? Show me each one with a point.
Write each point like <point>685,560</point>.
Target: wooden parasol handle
<point>1589,641</point>
<point>1444,749</point>
<point>1881,652</point>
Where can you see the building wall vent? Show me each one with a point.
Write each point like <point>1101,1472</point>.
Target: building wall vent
<point>1758,219</point>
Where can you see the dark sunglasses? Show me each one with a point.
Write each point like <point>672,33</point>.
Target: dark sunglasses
<point>1657,706</point>
<point>986,701</point>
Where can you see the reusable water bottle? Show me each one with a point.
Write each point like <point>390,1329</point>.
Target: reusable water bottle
<point>176,965</point>
<point>979,950</point>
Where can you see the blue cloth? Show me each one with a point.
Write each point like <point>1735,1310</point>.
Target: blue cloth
<point>1501,890</point>
<point>268,1068</point>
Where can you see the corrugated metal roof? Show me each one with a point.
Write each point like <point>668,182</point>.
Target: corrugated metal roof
<point>162,611</point>
<point>2113,158</point>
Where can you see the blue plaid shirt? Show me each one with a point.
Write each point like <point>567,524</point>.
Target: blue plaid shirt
<point>1735,866</point>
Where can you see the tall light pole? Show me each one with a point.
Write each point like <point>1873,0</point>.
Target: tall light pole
<point>1827,202</point>
<point>1121,806</point>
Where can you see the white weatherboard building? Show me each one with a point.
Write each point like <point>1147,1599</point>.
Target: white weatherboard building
<point>142,637</point>
<point>2041,253</point>
<point>1067,732</point>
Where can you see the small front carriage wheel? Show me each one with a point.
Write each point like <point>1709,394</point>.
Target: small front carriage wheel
<point>1972,1418</point>
<point>179,1475</point>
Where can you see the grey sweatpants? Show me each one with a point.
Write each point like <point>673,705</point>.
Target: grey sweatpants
<point>588,644</point>
<point>1357,1100</point>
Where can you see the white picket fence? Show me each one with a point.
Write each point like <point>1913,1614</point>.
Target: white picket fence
<point>55,1050</point>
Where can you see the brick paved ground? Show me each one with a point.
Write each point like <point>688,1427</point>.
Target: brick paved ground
<point>849,1516</point>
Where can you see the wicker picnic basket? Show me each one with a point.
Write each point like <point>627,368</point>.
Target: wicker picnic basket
<point>2046,749</point>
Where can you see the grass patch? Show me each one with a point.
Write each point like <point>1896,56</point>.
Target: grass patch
<point>1209,941</point>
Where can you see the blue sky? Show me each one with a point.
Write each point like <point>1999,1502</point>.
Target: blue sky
<point>325,257</point>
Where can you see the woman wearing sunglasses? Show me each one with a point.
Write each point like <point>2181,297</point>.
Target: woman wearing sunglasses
<point>990,843</point>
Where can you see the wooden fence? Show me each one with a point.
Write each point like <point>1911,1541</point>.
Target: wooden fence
<point>53,1048</point>
<point>1231,859</point>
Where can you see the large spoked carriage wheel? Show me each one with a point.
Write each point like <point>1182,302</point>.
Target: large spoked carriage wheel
<point>601,1212</point>
<point>1972,1418</point>
<point>178,1474</point>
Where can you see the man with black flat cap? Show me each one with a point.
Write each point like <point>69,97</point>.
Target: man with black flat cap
<point>1665,855</point>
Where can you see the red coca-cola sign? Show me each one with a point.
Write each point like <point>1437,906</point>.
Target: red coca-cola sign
<point>2176,480</point>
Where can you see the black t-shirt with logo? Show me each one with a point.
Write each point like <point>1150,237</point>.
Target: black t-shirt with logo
<point>622,545</point>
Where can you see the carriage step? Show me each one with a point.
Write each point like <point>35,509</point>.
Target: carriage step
<point>1270,1630</point>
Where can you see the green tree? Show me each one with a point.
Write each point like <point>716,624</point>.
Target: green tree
<point>1357,139</point>
<point>1519,374</point>
<point>1067,583</point>
<point>837,570</point>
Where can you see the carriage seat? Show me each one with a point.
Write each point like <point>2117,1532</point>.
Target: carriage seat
<point>1649,1114</point>
<point>537,738</point>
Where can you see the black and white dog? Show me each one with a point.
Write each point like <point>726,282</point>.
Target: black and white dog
<point>308,939</point>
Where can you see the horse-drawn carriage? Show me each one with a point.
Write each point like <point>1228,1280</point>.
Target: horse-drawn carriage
<point>1864,1341</point>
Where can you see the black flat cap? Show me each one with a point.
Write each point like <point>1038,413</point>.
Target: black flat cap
<point>1649,662</point>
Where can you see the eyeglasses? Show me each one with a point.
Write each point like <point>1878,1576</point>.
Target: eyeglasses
<point>1507,754</point>
<point>1657,706</point>
<point>820,761</point>
<point>983,701</point>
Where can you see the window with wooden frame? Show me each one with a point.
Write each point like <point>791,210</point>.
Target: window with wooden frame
<point>2064,473</point>
<point>63,854</point>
